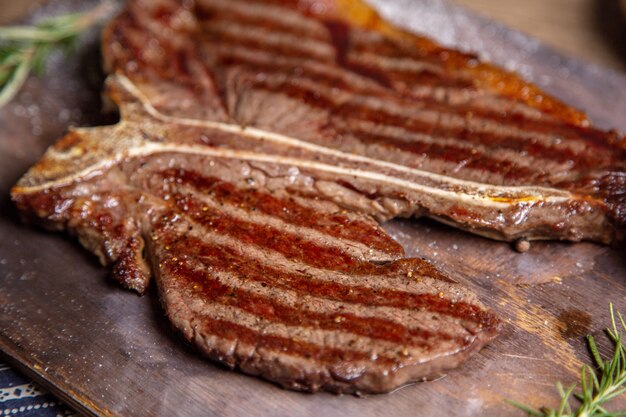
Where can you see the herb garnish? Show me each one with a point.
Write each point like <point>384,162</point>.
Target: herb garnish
<point>25,48</point>
<point>597,385</point>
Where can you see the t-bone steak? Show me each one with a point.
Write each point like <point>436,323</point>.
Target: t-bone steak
<point>258,144</point>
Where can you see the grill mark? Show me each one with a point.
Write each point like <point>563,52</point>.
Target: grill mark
<point>425,274</point>
<point>335,225</point>
<point>207,12</point>
<point>380,116</point>
<point>181,57</point>
<point>232,331</point>
<point>316,336</point>
<point>470,158</point>
<point>593,136</point>
<point>340,39</point>
<point>291,246</point>
<point>459,153</point>
<point>314,98</point>
<point>489,77</point>
<point>340,35</point>
<point>399,64</point>
<point>404,72</point>
<point>367,70</point>
<point>421,49</point>
<point>523,122</point>
<point>208,286</point>
<point>223,258</point>
<point>533,147</point>
<point>411,319</point>
<point>545,126</point>
<point>233,55</point>
<point>178,67</point>
<point>230,57</point>
<point>354,249</point>
<point>256,40</point>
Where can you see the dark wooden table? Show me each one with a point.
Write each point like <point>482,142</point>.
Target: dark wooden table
<point>109,352</point>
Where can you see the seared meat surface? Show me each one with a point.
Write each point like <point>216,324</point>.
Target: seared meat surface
<point>482,149</point>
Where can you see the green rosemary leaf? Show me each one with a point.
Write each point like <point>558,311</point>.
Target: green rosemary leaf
<point>586,392</point>
<point>25,48</point>
<point>621,319</point>
<point>594,350</point>
<point>6,52</point>
<point>597,386</point>
<point>564,398</point>
<point>16,79</point>
<point>529,410</point>
<point>41,53</point>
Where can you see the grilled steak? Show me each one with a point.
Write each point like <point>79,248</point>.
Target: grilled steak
<point>259,142</point>
<point>253,264</point>
<point>482,149</point>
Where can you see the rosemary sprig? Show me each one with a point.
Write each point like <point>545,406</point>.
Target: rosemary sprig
<point>597,386</point>
<point>25,48</point>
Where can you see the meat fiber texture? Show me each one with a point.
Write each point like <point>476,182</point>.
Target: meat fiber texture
<point>259,144</point>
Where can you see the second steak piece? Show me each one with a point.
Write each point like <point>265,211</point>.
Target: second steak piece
<point>302,301</point>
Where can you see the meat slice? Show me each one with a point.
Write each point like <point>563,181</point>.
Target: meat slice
<point>255,266</point>
<point>482,149</point>
<point>302,306</point>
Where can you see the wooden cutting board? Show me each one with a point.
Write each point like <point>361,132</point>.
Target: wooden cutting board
<point>108,352</point>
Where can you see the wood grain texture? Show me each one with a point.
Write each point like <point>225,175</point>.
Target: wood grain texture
<point>109,352</point>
